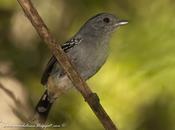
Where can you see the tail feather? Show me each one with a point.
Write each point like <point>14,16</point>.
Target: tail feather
<point>43,107</point>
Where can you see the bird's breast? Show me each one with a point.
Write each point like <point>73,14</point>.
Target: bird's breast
<point>88,58</point>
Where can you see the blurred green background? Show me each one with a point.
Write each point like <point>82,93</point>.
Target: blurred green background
<point>135,86</point>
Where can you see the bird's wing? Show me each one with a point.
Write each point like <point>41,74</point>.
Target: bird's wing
<point>48,69</point>
<point>66,47</point>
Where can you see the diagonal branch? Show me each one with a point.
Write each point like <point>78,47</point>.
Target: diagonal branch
<point>90,97</point>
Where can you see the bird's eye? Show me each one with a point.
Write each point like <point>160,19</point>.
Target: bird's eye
<point>106,20</point>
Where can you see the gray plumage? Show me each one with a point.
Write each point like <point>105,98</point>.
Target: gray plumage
<point>87,50</point>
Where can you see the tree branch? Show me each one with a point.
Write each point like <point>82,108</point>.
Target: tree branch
<point>90,97</point>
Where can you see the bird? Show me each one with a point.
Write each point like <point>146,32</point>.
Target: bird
<point>87,50</point>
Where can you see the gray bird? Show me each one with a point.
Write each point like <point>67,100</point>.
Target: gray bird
<point>87,50</point>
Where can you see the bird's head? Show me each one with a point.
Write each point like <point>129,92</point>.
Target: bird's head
<point>105,23</point>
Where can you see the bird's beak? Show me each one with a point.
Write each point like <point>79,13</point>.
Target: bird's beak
<point>121,22</point>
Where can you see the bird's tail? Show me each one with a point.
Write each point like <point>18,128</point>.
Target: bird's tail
<point>42,108</point>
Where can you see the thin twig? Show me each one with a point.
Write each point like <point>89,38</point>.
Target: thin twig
<point>17,102</point>
<point>19,108</point>
<point>90,97</point>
